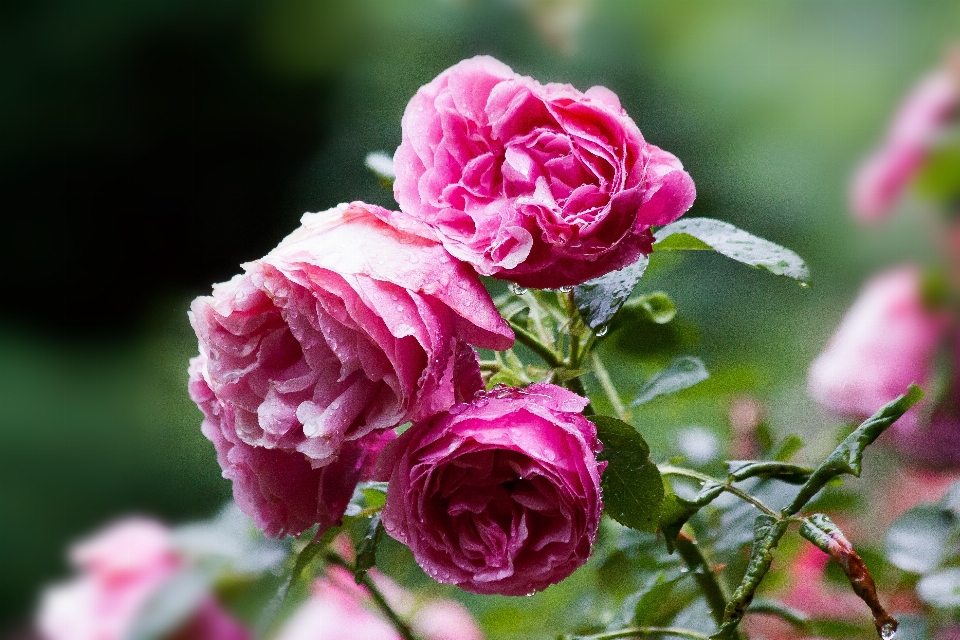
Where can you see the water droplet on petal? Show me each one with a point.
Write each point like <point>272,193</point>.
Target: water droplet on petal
<point>566,289</point>
<point>601,330</point>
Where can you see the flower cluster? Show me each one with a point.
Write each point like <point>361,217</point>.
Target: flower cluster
<point>364,319</point>
<point>904,326</point>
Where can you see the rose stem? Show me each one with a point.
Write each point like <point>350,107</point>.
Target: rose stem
<point>637,632</point>
<point>402,628</point>
<point>601,372</point>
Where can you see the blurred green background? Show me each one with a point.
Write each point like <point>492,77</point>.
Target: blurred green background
<point>147,148</point>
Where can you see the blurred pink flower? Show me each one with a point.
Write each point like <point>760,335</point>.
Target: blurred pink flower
<point>541,185</point>
<point>308,359</point>
<point>501,495</point>
<point>339,609</point>
<point>887,340</point>
<point>120,569</point>
<point>922,117</point>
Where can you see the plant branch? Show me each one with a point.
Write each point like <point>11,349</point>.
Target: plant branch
<point>714,592</point>
<point>601,372</point>
<point>670,470</point>
<point>533,343</point>
<point>401,627</point>
<point>639,632</point>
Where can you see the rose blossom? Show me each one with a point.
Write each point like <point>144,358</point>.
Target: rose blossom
<point>121,568</point>
<point>501,495</point>
<point>541,185</point>
<point>309,358</point>
<point>340,609</point>
<point>923,116</point>
<point>887,340</point>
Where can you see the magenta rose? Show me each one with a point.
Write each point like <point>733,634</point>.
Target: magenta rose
<point>120,569</point>
<point>923,117</point>
<point>308,359</point>
<point>501,495</point>
<point>541,185</point>
<point>889,339</point>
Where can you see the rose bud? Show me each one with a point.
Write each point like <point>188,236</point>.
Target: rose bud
<point>540,185</point>
<point>121,568</point>
<point>501,495</point>
<point>889,338</point>
<point>309,359</point>
<point>924,116</point>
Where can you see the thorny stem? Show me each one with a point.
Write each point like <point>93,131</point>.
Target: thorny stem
<point>639,632</point>
<point>401,627</point>
<point>669,470</point>
<point>601,372</point>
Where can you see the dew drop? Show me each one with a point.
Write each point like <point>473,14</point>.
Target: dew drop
<point>805,284</point>
<point>566,289</point>
<point>601,330</point>
<point>888,631</point>
<point>517,290</point>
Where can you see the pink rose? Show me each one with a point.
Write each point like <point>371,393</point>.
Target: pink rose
<point>308,359</point>
<point>541,185</point>
<point>887,340</point>
<point>501,495</point>
<point>121,568</point>
<point>922,117</point>
<point>339,609</point>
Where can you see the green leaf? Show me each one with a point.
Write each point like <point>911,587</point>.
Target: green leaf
<point>767,533</point>
<point>848,456</point>
<point>941,589</point>
<point>677,510</point>
<point>656,307</point>
<point>173,602</point>
<point>657,605</point>
<point>599,300</point>
<point>784,471</point>
<point>374,493</point>
<point>683,373</point>
<point>726,239</point>
<point>788,448</point>
<point>917,540</point>
<point>381,165</point>
<point>367,548</point>
<point>632,486</point>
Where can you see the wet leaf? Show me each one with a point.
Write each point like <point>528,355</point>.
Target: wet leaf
<point>726,239</point>
<point>632,486</point>
<point>598,300</point>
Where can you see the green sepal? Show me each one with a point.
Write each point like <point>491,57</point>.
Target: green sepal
<point>632,487</point>
<point>726,239</point>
